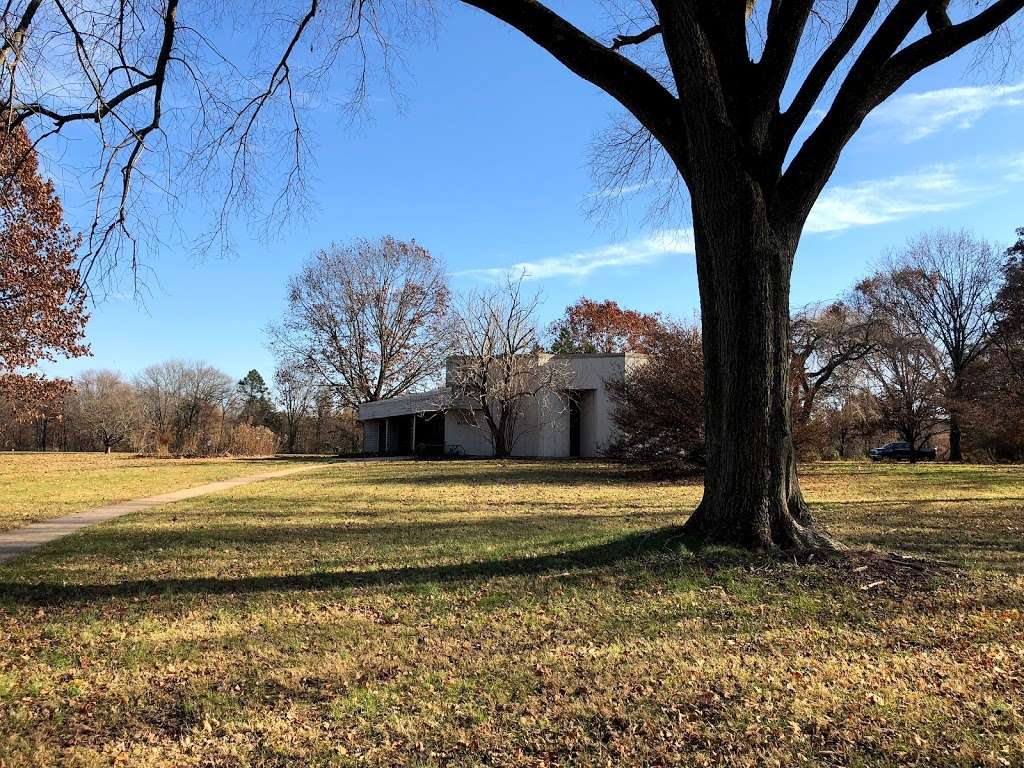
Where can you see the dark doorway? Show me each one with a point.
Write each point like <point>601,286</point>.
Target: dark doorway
<point>430,434</point>
<point>403,426</point>
<point>382,436</point>
<point>575,425</point>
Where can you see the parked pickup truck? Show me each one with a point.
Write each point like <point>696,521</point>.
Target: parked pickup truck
<point>901,451</point>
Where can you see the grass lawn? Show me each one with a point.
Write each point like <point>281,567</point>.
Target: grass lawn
<point>37,486</point>
<point>520,614</point>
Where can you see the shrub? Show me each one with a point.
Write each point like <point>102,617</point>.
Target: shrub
<point>252,441</point>
<point>659,406</point>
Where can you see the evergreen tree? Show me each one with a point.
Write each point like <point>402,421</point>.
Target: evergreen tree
<point>257,408</point>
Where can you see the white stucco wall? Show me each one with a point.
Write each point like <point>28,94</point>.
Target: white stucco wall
<point>471,440</point>
<point>475,440</point>
<point>589,374</point>
<point>553,434</point>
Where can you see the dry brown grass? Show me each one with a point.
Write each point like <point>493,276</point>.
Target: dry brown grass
<point>520,614</point>
<point>37,486</point>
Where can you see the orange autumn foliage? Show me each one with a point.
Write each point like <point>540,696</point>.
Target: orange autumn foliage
<point>42,304</point>
<point>604,327</point>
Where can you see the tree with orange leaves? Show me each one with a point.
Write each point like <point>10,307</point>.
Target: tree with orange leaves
<point>604,327</point>
<point>42,303</point>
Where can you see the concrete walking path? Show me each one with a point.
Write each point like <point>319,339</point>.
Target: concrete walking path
<point>22,540</point>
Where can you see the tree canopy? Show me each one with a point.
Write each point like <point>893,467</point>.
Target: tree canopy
<point>42,304</point>
<point>590,326</point>
<point>367,319</point>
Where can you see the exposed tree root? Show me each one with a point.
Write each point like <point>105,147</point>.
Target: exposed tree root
<point>867,570</point>
<point>787,530</point>
<point>873,571</point>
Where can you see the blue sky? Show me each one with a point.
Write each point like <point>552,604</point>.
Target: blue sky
<point>486,164</point>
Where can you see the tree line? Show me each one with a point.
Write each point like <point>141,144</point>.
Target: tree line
<point>927,349</point>
<point>183,408</point>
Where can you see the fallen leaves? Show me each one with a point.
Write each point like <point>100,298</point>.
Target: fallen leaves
<point>433,626</point>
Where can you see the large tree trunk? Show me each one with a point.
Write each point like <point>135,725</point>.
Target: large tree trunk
<point>499,438</point>
<point>752,496</point>
<point>955,451</point>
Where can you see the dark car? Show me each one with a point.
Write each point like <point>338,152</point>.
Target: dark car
<point>901,451</point>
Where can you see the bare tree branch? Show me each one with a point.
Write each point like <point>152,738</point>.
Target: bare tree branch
<point>499,379</point>
<point>653,105</point>
<point>620,41</point>
<point>880,69</point>
<point>823,69</point>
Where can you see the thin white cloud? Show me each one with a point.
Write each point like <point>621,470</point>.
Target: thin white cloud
<point>914,116</point>
<point>933,190</point>
<point>1011,168</point>
<point>581,264</point>
<point>626,190</point>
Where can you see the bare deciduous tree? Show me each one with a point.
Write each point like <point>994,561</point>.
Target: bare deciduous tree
<point>296,395</point>
<point>942,287</point>
<point>499,376</point>
<point>905,370</point>
<point>184,407</point>
<point>828,340</point>
<point>853,419</point>
<point>175,106</point>
<point>107,406</point>
<point>368,319</point>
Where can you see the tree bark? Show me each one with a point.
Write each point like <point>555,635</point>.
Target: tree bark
<point>499,439</point>
<point>955,450</point>
<point>752,494</point>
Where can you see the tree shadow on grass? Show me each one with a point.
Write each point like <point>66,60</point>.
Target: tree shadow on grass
<point>522,472</point>
<point>940,530</point>
<point>665,541</point>
<point>369,532</point>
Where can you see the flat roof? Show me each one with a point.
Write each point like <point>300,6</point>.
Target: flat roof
<point>601,354</point>
<point>404,405</point>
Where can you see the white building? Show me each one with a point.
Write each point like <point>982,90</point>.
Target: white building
<point>575,421</point>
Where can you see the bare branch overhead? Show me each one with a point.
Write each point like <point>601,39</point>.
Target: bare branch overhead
<point>236,134</point>
<point>621,41</point>
<point>629,83</point>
